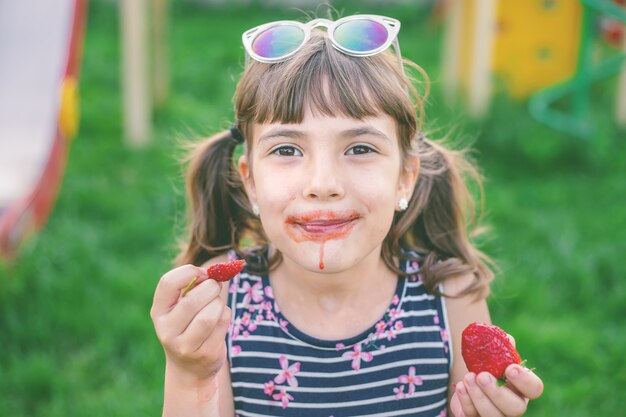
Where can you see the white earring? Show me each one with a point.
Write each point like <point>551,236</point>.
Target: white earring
<point>403,204</point>
<point>255,210</point>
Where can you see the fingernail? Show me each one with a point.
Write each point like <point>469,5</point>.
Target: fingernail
<point>485,379</point>
<point>203,272</point>
<point>470,379</point>
<point>460,388</point>
<point>512,372</point>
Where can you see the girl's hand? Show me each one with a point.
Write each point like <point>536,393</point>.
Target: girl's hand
<point>192,329</point>
<point>480,395</point>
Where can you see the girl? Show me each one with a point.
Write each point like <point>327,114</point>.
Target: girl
<point>360,274</point>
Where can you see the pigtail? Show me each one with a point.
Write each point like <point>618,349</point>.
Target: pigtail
<point>219,210</point>
<point>440,222</point>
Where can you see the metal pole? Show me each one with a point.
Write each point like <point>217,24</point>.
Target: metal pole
<point>135,76</point>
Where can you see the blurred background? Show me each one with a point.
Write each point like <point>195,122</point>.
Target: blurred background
<point>533,86</point>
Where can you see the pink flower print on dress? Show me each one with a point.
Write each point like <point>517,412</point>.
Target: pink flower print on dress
<point>283,324</point>
<point>246,320</point>
<point>339,346</point>
<point>253,293</point>
<point>444,335</point>
<point>288,373</point>
<point>380,328</point>
<point>395,300</point>
<point>283,397</point>
<point>436,319</point>
<point>357,355</point>
<point>235,350</point>
<point>395,314</point>
<point>444,339</point>
<point>269,387</point>
<point>399,391</point>
<point>411,379</point>
<point>269,293</point>
<point>236,327</point>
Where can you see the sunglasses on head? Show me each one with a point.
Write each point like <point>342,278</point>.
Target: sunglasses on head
<point>358,35</point>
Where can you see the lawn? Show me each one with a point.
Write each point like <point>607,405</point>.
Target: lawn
<point>75,334</point>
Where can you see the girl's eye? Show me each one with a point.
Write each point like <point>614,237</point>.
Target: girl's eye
<point>287,151</point>
<point>359,150</point>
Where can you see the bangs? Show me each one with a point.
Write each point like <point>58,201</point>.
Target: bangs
<point>327,82</point>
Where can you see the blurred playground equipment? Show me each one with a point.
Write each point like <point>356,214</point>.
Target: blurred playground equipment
<point>576,121</point>
<point>40,52</point>
<point>145,70</point>
<point>539,50</point>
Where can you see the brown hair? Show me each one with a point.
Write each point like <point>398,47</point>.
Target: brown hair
<point>435,225</point>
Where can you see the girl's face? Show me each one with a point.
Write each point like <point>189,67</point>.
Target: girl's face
<point>327,188</point>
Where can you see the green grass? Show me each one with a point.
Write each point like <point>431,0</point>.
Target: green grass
<point>75,334</point>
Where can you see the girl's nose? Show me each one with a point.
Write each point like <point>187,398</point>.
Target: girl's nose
<point>323,181</point>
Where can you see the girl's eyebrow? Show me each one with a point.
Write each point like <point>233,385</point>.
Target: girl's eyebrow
<point>282,132</point>
<point>348,133</point>
<point>364,130</point>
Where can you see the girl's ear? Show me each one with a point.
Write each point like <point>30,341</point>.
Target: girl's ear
<point>408,177</point>
<point>247,179</point>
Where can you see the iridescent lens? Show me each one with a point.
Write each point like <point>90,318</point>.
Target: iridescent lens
<point>361,35</point>
<point>278,41</point>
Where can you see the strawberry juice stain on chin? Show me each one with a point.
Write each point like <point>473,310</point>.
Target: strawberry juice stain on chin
<point>320,227</point>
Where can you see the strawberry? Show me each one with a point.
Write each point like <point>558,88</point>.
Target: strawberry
<point>226,270</point>
<point>219,272</point>
<point>486,347</point>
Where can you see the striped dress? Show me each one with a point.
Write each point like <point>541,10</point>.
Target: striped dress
<point>398,367</point>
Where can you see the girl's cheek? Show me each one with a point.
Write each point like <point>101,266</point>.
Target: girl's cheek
<point>279,191</point>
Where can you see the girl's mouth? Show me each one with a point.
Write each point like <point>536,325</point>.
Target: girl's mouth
<point>321,225</point>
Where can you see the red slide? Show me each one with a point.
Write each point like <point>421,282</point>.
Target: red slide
<point>40,53</point>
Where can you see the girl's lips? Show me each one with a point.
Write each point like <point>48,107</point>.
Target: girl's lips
<point>323,224</point>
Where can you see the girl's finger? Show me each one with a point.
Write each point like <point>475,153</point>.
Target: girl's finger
<point>483,404</point>
<point>187,308</point>
<point>217,337</point>
<point>203,325</point>
<point>525,381</point>
<point>465,402</point>
<point>170,285</point>
<point>504,399</point>
<point>455,406</point>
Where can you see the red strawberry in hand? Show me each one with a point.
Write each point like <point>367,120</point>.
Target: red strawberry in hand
<point>486,347</point>
<point>226,270</point>
<point>219,272</point>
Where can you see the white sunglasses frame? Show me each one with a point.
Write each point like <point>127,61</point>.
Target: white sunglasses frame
<point>392,25</point>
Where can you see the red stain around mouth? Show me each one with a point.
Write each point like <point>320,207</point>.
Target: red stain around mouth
<point>320,227</point>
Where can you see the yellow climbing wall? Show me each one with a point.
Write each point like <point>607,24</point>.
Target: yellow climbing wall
<point>535,43</point>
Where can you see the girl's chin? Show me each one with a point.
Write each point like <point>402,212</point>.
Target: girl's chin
<point>328,257</point>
